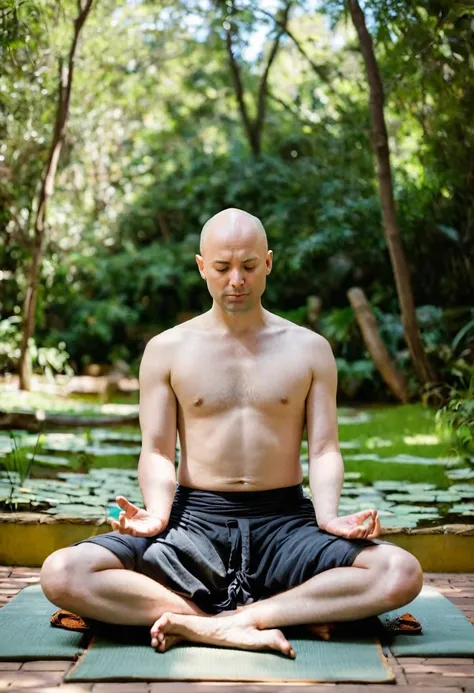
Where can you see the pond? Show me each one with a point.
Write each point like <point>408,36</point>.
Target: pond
<point>395,457</point>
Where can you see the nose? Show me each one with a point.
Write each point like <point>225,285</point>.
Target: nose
<point>236,278</point>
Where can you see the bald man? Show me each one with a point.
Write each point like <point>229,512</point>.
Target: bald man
<point>231,548</point>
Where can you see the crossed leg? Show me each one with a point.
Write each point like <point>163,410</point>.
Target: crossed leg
<point>91,581</point>
<point>382,577</point>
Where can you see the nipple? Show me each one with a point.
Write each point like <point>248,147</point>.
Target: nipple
<point>198,401</point>
<point>284,400</point>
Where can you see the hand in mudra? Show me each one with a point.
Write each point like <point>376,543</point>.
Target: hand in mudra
<point>136,521</point>
<point>353,527</point>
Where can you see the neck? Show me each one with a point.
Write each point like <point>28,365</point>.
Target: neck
<point>239,323</point>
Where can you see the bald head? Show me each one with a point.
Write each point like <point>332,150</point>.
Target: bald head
<point>230,224</point>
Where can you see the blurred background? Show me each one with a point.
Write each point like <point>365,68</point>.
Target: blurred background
<point>345,126</point>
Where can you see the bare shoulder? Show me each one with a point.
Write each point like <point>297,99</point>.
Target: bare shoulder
<point>164,341</point>
<point>158,352</point>
<point>309,340</point>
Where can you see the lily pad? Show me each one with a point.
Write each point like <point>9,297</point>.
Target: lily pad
<point>464,508</point>
<point>413,497</point>
<point>78,510</point>
<point>49,460</point>
<point>105,450</point>
<point>399,521</point>
<point>401,509</point>
<point>102,434</point>
<point>419,486</point>
<point>463,473</point>
<point>349,416</point>
<point>403,459</point>
<point>377,442</point>
<point>387,485</point>
<point>463,493</point>
<point>369,457</point>
<point>421,439</point>
<point>447,497</point>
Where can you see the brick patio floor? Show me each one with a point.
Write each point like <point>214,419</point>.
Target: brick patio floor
<point>441,675</point>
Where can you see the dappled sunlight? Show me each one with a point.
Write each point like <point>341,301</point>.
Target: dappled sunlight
<point>111,408</point>
<point>421,439</point>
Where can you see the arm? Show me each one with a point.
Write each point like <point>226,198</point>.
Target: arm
<point>158,410</point>
<point>326,468</point>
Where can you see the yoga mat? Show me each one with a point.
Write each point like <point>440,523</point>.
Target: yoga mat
<point>27,633</point>
<point>446,631</point>
<point>348,658</point>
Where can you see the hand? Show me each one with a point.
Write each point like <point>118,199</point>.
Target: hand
<point>135,521</point>
<point>352,526</point>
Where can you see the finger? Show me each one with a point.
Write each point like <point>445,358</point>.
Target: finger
<point>373,525</point>
<point>129,508</point>
<point>370,524</point>
<point>377,530</point>
<point>364,514</point>
<point>370,515</point>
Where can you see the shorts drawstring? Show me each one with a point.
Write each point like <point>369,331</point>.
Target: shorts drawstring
<point>238,592</point>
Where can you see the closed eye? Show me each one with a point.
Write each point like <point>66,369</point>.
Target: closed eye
<point>247,269</point>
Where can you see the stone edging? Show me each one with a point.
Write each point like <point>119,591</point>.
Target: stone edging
<point>43,519</point>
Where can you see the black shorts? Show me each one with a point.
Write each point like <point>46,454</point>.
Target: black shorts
<point>225,549</point>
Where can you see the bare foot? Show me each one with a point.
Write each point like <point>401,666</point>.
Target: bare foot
<point>324,631</point>
<point>157,638</point>
<point>234,631</point>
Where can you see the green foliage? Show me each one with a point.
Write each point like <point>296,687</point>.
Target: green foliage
<point>156,145</point>
<point>10,338</point>
<point>17,465</point>
<point>45,360</point>
<point>458,416</point>
<point>352,374</point>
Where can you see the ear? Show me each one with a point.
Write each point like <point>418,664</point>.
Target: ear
<point>269,262</point>
<point>200,264</point>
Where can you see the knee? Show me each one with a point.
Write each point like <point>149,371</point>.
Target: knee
<point>404,579</point>
<point>57,577</point>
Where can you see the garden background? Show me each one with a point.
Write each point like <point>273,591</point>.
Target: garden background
<point>346,128</point>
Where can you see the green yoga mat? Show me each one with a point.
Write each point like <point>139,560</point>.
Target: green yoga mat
<point>446,631</point>
<point>355,659</point>
<point>25,620</point>
<point>27,632</point>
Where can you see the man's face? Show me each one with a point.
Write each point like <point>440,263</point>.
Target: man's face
<point>235,265</point>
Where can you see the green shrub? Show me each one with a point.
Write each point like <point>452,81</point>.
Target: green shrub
<point>457,417</point>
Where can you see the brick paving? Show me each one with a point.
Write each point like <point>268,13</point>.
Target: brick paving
<point>440,674</point>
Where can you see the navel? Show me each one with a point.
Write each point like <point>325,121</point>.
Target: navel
<point>198,401</point>
<point>284,400</point>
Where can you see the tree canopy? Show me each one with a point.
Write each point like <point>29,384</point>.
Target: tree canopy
<point>180,109</point>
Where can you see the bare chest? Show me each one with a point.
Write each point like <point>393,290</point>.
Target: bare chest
<point>209,379</point>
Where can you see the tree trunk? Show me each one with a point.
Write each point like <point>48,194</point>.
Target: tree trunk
<point>254,128</point>
<point>375,346</point>
<point>400,268</point>
<point>47,184</point>
<point>314,305</point>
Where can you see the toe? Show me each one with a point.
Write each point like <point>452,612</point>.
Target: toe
<point>282,644</point>
<point>171,641</point>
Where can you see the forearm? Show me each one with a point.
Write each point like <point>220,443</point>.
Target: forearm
<point>157,481</point>
<point>326,476</point>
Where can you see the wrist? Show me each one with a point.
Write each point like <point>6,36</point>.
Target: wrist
<point>323,522</point>
<point>159,515</point>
